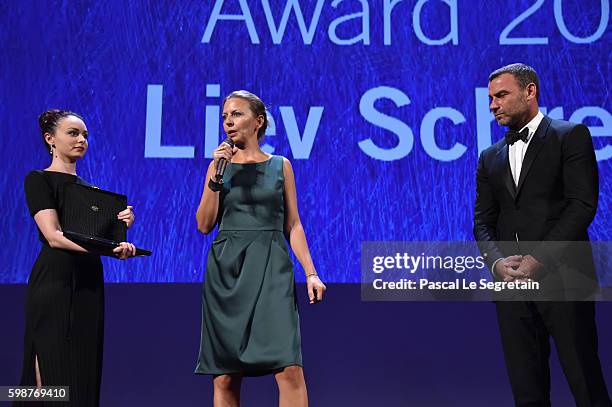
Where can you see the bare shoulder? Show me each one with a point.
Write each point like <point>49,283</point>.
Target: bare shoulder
<point>287,167</point>
<point>286,162</point>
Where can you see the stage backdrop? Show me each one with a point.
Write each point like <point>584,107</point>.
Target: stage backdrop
<point>380,105</point>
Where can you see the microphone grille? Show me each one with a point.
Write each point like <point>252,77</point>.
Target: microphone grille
<point>229,141</point>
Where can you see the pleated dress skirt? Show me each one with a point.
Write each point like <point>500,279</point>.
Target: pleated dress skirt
<point>250,322</point>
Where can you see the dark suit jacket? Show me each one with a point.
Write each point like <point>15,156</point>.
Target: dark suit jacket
<point>554,204</point>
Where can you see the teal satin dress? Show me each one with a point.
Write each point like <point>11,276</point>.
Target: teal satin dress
<point>250,322</point>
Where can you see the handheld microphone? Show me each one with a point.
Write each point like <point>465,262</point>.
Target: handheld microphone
<point>223,162</point>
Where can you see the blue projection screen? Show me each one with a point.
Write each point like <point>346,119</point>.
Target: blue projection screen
<point>381,106</point>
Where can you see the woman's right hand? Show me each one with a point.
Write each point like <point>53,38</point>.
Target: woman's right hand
<point>124,251</point>
<point>223,151</point>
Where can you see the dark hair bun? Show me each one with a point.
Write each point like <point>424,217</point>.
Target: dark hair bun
<point>47,121</point>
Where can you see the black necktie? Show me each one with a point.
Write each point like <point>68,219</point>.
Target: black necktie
<point>514,136</point>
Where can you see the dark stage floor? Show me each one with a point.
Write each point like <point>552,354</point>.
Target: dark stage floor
<point>355,353</point>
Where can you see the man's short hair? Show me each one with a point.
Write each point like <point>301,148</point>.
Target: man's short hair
<point>524,75</point>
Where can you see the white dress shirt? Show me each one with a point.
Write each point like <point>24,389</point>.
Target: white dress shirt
<point>516,152</point>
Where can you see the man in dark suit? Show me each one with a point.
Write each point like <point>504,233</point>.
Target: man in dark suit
<point>536,194</point>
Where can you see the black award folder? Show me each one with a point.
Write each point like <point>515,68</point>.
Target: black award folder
<point>89,218</point>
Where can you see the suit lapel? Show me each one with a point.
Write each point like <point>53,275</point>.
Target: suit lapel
<point>532,151</point>
<point>502,160</point>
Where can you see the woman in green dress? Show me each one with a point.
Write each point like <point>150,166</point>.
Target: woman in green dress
<point>250,322</point>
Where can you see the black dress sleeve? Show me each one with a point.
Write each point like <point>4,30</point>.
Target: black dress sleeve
<point>38,192</point>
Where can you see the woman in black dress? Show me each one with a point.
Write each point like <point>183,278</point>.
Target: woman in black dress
<point>65,297</point>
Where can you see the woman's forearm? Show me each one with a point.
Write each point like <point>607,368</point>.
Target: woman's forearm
<point>58,241</point>
<point>299,245</point>
<point>206,215</point>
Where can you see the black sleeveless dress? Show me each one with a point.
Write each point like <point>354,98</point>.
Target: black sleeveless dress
<point>64,305</point>
<point>250,322</point>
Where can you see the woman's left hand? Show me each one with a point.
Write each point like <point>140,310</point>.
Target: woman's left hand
<point>125,250</point>
<point>127,215</point>
<point>316,288</point>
